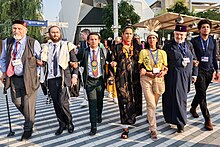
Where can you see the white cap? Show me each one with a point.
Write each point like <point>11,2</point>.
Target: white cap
<point>152,33</point>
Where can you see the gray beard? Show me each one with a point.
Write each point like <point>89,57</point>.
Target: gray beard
<point>180,41</point>
<point>17,37</point>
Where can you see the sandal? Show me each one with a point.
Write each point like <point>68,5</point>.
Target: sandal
<point>153,135</point>
<point>124,135</point>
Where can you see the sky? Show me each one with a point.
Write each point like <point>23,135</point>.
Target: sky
<point>51,8</point>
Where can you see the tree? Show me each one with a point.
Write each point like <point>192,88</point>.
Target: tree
<point>179,7</point>
<point>125,13</point>
<point>20,9</point>
<point>210,14</point>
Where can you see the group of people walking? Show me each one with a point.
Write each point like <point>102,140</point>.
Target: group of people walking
<point>156,72</point>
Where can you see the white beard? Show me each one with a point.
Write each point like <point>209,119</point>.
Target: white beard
<point>17,37</point>
<point>179,41</point>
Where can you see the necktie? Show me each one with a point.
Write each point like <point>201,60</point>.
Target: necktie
<point>10,71</point>
<point>54,61</point>
<point>94,64</point>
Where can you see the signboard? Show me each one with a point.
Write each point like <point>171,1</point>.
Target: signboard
<point>59,24</point>
<point>42,23</point>
<point>37,23</point>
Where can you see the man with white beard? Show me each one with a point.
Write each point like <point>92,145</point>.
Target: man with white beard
<point>182,71</point>
<point>19,59</point>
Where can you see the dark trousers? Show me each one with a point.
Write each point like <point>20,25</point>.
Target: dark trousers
<point>60,99</point>
<point>26,104</point>
<point>201,85</point>
<point>95,94</point>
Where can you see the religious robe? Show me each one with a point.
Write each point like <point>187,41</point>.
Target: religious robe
<point>177,81</point>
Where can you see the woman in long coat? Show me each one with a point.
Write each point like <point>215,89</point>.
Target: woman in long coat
<point>125,57</point>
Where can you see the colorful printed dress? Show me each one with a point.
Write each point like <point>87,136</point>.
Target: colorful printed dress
<point>126,78</point>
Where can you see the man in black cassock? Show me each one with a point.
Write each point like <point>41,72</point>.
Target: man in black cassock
<point>182,71</point>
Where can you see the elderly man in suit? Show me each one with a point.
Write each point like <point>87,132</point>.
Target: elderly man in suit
<point>94,77</point>
<point>19,59</point>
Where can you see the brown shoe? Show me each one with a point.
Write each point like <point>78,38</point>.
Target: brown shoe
<point>208,125</point>
<point>194,113</point>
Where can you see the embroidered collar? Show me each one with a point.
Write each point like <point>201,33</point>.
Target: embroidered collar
<point>128,51</point>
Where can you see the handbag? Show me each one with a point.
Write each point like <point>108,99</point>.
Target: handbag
<point>158,86</point>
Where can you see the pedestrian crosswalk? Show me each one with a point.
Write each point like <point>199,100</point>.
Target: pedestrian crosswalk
<point>109,130</point>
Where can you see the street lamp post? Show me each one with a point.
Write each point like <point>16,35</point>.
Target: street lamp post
<point>115,14</point>
<point>190,6</point>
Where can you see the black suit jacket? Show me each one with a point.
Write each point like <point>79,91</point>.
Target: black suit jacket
<point>211,52</point>
<point>83,57</point>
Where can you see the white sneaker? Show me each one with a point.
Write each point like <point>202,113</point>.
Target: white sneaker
<point>84,103</point>
<point>115,100</point>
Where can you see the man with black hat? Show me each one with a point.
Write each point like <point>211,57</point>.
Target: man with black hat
<point>206,52</point>
<point>19,61</point>
<point>181,65</point>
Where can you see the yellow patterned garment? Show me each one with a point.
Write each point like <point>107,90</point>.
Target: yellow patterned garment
<point>145,57</point>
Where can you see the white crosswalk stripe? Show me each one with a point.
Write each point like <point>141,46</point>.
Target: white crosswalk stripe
<point>109,130</point>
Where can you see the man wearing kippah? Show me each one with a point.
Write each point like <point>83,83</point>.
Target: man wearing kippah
<point>61,66</point>
<point>19,59</point>
<point>181,69</point>
<point>205,50</point>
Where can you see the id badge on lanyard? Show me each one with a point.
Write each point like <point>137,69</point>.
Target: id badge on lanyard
<point>204,58</point>
<point>185,61</point>
<point>155,69</point>
<point>16,62</point>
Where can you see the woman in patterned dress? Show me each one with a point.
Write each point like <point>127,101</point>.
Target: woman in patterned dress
<point>124,59</point>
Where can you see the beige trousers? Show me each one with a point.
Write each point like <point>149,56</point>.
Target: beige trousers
<point>152,96</point>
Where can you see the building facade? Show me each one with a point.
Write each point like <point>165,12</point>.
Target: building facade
<point>160,6</point>
<point>82,14</point>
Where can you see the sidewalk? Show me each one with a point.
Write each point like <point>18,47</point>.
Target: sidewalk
<point>109,131</point>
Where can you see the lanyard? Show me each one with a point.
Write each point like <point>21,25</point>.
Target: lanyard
<point>155,61</point>
<point>183,49</point>
<point>203,46</point>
